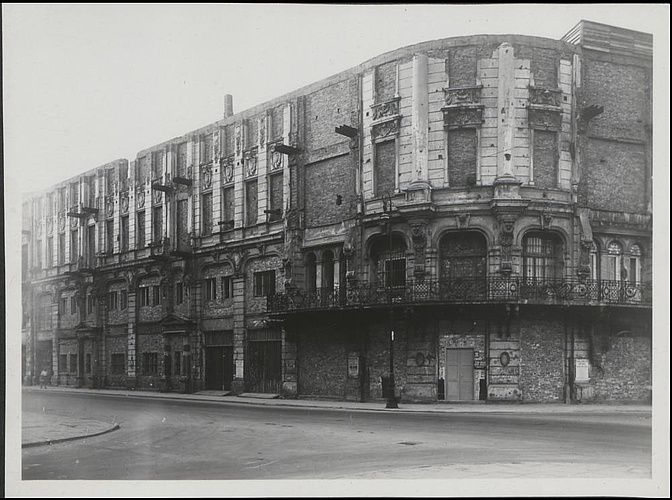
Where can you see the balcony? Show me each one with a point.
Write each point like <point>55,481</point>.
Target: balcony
<point>466,291</point>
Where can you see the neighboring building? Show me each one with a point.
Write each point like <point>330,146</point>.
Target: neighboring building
<point>487,198</point>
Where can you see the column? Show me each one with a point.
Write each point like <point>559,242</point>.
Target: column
<point>420,118</point>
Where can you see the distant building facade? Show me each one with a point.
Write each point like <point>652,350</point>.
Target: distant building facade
<point>481,204</point>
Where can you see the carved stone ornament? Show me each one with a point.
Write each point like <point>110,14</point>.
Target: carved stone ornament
<point>276,161</point>
<point>206,171</point>
<point>38,229</point>
<point>239,140</point>
<point>124,203</point>
<point>544,119</point>
<point>217,151</point>
<point>262,132</point>
<point>385,109</point>
<point>545,97</point>
<point>251,165</point>
<point>227,169</point>
<point>140,197</point>
<point>74,222</point>
<point>61,221</point>
<point>109,206</point>
<point>462,96</point>
<point>463,220</point>
<point>462,117</point>
<point>157,197</point>
<point>50,225</point>
<point>385,130</point>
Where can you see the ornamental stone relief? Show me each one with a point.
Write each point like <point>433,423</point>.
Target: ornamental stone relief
<point>462,117</point>
<point>216,147</point>
<point>227,169</point>
<point>276,161</point>
<point>124,203</point>
<point>385,109</point>
<point>545,97</point>
<point>50,225</point>
<point>140,197</point>
<point>239,140</point>
<point>206,172</point>
<point>109,206</point>
<point>464,96</point>
<point>157,197</point>
<point>61,221</point>
<point>251,165</point>
<point>262,132</point>
<point>385,129</point>
<point>544,119</point>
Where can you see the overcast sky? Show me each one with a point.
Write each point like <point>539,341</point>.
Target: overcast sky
<point>87,84</point>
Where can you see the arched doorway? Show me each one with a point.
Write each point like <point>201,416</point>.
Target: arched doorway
<point>388,259</point>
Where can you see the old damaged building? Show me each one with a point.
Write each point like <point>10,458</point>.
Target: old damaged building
<point>472,214</point>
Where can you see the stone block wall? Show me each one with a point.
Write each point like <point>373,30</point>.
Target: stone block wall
<point>324,181</point>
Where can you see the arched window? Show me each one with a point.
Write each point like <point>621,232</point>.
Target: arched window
<point>462,255</point>
<point>614,266</point>
<point>542,256</point>
<point>635,267</point>
<point>328,270</point>
<point>388,257</point>
<point>311,272</point>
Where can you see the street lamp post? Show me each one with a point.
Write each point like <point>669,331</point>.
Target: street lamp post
<point>387,217</point>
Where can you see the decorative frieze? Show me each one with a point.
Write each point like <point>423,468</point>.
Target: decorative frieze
<point>462,107</point>
<point>385,130</point>
<point>387,109</point>
<point>545,110</point>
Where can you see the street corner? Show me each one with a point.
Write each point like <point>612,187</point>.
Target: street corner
<point>40,429</point>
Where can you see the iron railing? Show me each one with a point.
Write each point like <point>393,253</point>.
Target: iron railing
<point>465,290</point>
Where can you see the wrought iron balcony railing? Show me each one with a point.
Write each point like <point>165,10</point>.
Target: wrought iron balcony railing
<point>465,290</point>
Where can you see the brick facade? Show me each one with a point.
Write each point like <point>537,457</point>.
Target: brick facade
<point>270,231</point>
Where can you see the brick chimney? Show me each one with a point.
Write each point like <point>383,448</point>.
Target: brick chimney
<point>228,105</point>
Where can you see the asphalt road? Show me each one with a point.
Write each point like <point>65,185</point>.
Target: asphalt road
<point>161,439</point>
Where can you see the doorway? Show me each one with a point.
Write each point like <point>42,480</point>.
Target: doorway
<point>459,374</point>
<point>218,368</point>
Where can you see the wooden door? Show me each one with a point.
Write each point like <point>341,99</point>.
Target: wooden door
<point>459,374</point>
<point>214,368</point>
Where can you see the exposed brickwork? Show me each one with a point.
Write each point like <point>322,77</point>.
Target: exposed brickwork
<point>545,159</point>
<point>461,156</point>
<point>462,63</point>
<point>541,360</point>
<point>378,356</point>
<point>326,109</point>
<point>386,81</point>
<point>384,170</point>
<point>614,175</point>
<point>544,64</point>
<point>150,313</point>
<point>626,370</point>
<point>118,315</point>
<point>622,90</point>
<point>115,345</point>
<point>255,304</point>
<point>324,366</point>
<point>251,202</point>
<point>222,306</point>
<point>325,181</point>
<point>149,343</point>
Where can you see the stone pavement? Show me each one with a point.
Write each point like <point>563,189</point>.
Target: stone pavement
<point>42,428</point>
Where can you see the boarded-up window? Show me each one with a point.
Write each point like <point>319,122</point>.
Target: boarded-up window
<point>545,159</point>
<point>544,67</point>
<point>206,147</point>
<point>207,213</point>
<point>385,167</point>
<point>157,164</point>
<point>386,81</point>
<point>251,202</point>
<point>276,196</point>
<point>462,148</point>
<point>157,224</point>
<point>277,122</point>
<point>124,233</point>
<point>228,139</point>
<point>182,159</point>
<point>140,230</point>
<point>462,65</point>
<point>227,204</point>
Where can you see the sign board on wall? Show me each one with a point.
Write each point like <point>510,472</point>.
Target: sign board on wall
<point>239,368</point>
<point>353,364</point>
<point>581,371</point>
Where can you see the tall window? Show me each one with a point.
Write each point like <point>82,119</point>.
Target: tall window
<point>144,296</point>
<point>311,272</point>
<point>614,261</point>
<point>157,164</point>
<point>38,254</point>
<point>182,159</point>
<point>123,295</point>
<point>150,363</point>
<point>385,166</point>
<point>179,293</point>
<point>251,202</point>
<point>228,204</point>
<point>74,245</point>
<point>89,303</point>
<point>328,270</point>
<point>118,363</point>
<point>156,295</point>
<point>227,287</point>
<point>206,148</point>
<point>635,267</point>
<point>542,256</point>
<point>73,363</point>
<point>44,312</point>
<point>113,300</point>
<point>109,236</point>
<point>207,213</point>
<point>73,304</point>
<point>140,230</point>
<point>157,224</point>
<point>210,289</point>
<point>275,185</point>
<point>61,249</point>
<point>264,283</point>
<point>462,255</point>
<point>50,252</point>
<point>594,262</point>
<point>124,233</point>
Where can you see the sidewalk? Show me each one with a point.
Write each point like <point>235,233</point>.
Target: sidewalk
<point>41,429</point>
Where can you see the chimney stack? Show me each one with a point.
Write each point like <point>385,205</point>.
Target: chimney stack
<point>228,105</point>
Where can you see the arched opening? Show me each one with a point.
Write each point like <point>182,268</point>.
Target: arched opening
<point>542,256</point>
<point>614,268</point>
<point>594,262</point>
<point>635,265</point>
<point>311,272</point>
<point>388,258</point>
<point>462,264</point>
<point>328,270</point>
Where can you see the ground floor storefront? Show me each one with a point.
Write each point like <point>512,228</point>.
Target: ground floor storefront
<point>453,354</point>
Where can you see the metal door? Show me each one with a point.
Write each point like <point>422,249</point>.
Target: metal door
<point>459,374</point>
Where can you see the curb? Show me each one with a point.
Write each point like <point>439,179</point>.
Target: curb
<point>72,438</point>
